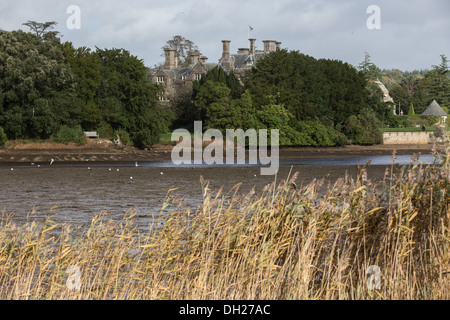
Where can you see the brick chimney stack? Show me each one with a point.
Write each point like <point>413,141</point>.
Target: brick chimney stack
<point>226,48</point>
<point>171,60</point>
<point>204,60</point>
<point>252,46</point>
<point>195,57</point>
<point>269,45</point>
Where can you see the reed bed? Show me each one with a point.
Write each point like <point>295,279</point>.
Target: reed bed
<point>355,239</point>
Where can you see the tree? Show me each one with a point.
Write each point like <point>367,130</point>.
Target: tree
<point>411,111</point>
<point>369,69</point>
<point>42,29</point>
<point>184,48</point>
<point>124,84</point>
<point>364,128</point>
<point>33,74</point>
<point>437,83</point>
<point>218,74</point>
<point>309,89</point>
<point>184,109</point>
<point>213,101</point>
<point>85,65</point>
<point>3,137</point>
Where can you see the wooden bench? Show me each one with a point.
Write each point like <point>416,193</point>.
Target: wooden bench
<point>92,134</point>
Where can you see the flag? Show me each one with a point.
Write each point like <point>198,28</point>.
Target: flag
<point>250,27</point>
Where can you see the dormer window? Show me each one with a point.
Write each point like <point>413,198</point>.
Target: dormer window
<point>160,80</point>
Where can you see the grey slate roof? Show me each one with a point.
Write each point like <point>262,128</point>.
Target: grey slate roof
<point>434,110</point>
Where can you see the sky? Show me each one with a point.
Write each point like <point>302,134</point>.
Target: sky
<point>410,34</point>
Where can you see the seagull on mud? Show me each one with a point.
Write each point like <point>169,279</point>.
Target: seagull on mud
<point>136,164</point>
<point>52,161</point>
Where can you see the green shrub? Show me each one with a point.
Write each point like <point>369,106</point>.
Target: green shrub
<point>315,133</point>
<point>364,128</point>
<point>124,136</point>
<point>68,134</point>
<point>3,137</point>
<point>411,111</point>
<point>105,131</point>
<point>432,120</point>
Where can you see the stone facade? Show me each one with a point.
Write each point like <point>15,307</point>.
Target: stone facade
<point>407,137</point>
<point>417,137</point>
<point>174,77</point>
<point>245,58</point>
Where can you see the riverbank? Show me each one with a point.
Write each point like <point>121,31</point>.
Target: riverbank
<point>364,239</point>
<point>102,151</point>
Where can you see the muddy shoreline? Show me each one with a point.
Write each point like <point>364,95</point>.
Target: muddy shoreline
<point>108,153</point>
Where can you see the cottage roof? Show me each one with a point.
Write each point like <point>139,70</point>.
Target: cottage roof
<point>434,110</point>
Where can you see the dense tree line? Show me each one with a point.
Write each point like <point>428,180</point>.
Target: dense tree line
<point>50,89</point>
<point>419,87</point>
<point>47,86</point>
<point>313,102</point>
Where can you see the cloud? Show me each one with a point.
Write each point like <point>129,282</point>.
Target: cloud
<point>413,34</point>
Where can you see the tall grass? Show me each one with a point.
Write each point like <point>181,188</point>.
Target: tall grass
<point>288,241</point>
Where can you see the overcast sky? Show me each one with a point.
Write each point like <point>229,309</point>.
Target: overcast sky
<point>413,34</point>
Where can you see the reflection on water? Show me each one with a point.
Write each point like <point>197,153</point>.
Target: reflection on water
<point>80,190</point>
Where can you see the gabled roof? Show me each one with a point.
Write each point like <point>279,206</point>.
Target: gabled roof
<point>434,110</point>
<point>246,60</point>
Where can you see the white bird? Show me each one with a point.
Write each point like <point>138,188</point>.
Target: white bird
<point>109,169</point>
<point>52,161</point>
<point>73,282</point>
<point>118,170</point>
<point>162,173</point>
<point>89,168</point>
<point>131,178</point>
<point>136,164</point>
<point>12,169</point>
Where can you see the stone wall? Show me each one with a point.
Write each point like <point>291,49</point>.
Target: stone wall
<point>409,137</point>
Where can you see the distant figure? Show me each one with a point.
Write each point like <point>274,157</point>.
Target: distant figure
<point>52,161</point>
<point>423,128</point>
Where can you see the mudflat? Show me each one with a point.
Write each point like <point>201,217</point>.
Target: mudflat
<point>106,152</point>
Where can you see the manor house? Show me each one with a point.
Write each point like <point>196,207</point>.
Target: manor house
<point>174,77</point>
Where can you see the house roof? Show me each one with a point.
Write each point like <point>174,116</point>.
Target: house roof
<point>178,72</point>
<point>244,60</point>
<point>434,110</point>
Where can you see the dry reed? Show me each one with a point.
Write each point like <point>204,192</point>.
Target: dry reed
<point>287,242</point>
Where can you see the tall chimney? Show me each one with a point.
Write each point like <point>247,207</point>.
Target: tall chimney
<point>204,60</point>
<point>195,57</point>
<point>269,45</point>
<point>226,48</point>
<point>252,46</point>
<point>266,45</point>
<point>171,62</point>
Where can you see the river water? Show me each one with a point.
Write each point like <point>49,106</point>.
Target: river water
<point>74,192</point>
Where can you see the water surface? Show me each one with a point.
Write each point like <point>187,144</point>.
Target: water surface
<point>77,191</point>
